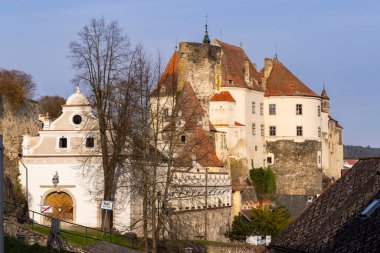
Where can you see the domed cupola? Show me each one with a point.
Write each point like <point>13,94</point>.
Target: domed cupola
<point>77,99</point>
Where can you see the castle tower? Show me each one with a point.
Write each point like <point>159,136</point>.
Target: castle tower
<point>325,101</point>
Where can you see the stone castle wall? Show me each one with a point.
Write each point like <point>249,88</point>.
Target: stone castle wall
<point>198,64</point>
<point>296,166</point>
<point>191,224</point>
<point>14,123</point>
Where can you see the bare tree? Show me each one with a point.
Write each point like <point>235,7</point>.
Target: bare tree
<point>102,56</point>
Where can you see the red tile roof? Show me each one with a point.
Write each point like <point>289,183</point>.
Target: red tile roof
<point>224,96</point>
<point>238,124</point>
<point>167,84</point>
<point>282,82</point>
<point>232,60</point>
<point>198,142</point>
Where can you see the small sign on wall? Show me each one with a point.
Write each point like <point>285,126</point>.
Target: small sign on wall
<point>47,209</point>
<point>106,205</point>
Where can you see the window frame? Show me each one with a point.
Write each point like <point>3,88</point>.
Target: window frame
<point>60,142</point>
<point>272,109</point>
<point>253,128</point>
<point>299,109</point>
<point>272,131</point>
<point>87,142</point>
<point>261,109</point>
<point>253,107</point>
<point>299,130</point>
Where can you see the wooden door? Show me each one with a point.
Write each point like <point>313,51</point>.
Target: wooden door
<point>62,205</point>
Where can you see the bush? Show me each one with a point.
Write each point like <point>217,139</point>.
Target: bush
<point>264,181</point>
<point>263,222</point>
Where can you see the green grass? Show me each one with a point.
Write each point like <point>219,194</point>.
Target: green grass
<point>15,246</point>
<point>72,235</point>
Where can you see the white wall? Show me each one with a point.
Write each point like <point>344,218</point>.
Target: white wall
<point>40,176</point>
<point>222,113</point>
<point>244,115</point>
<point>286,120</point>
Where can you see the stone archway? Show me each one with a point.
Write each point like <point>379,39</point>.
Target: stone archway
<point>63,206</point>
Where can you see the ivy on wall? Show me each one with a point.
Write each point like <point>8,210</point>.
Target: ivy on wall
<point>264,181</point>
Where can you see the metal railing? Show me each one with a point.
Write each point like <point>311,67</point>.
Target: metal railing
<point>72,232</point>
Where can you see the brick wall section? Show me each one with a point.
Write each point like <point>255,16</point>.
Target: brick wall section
<point>237,249</point>
<point>295,166</point>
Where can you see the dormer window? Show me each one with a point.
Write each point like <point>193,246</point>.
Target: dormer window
<point>370,209</point>
<point>90,142</point>
<point>62,142</point>
<point>77,119</point>
<point>183,138</point>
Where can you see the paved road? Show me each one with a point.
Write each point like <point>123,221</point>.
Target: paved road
<point>103,247</point>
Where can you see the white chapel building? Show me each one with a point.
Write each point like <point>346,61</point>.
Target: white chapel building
<point>59,162</point>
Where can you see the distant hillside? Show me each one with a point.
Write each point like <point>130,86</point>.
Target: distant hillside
<point>352,152</point>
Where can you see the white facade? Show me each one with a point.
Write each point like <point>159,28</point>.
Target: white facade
<point>68,147</point>
<point>286,118</point>
<point>242,121</point>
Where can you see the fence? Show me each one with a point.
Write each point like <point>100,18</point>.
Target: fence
<point>72,232</point>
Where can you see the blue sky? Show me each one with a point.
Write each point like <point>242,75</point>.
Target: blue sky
<point>336,41</point>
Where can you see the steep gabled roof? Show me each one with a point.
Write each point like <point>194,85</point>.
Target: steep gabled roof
<point>282,82</point>
<point>334,221</point>
<point>167,85</point>
<point>198,143</point>
<point>223,96</point>
<point>232,60</point>
<point>324,94</point>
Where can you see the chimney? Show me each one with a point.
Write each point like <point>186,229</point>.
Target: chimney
<point>268,65</point>
<point>246,72</point>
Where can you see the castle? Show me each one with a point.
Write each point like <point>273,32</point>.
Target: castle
<point>232,118</point>
<point>260,118</point>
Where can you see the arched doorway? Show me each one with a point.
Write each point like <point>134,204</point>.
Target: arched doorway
<point>62,203</point>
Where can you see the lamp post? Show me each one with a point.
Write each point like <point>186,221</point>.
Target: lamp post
<point>55,179</point>
<point>26,179</point>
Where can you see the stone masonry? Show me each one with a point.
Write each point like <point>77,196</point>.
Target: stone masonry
<point>295,166</point>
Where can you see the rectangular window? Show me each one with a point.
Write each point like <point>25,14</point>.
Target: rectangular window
<point>262,130</point>
<point>261,109</point>
<point>253,129</point>
<point>272,131</point>
<point>90,142</point>
<point>298,109</point>
<point>269,160</point>
<point>63,142</point>
<point>166,112</point>
<point>253,107</point>
<point>256,148</point>
<point>272,109</point>
<point>183,138</point>
<point>319,132</point>
<point>299,131</point>
<point>319,111</point>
